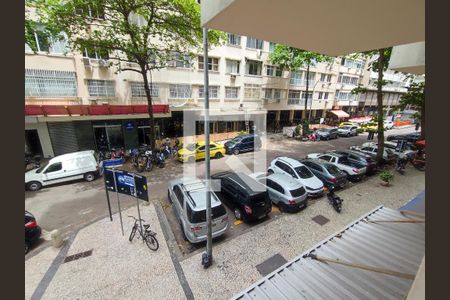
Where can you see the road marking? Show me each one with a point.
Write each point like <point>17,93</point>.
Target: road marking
<point>238,222</point>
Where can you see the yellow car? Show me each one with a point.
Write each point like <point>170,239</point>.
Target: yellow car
<point>196,151</point>
<point>372,126</point>
<point>345,124</point>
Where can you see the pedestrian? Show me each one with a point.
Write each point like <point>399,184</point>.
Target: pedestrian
<point>417,125</point>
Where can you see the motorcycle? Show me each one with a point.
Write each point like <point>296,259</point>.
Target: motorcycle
<point>402,160</point>
<point>145,162</point>
<point>117,153</point>
<point>334,200</point>
<point>160,159</point>
<point>167,151</point>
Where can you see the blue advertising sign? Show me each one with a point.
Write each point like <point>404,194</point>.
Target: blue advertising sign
<point>127,183</point>
<point>129,125</point>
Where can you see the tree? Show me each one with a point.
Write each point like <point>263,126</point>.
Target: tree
<point>379,65</point>
<point>416,98</point>
<point>137,35</point>
<point>293,59</point>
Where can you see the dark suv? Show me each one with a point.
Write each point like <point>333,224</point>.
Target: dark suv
<point>243,143</point>
<point>246,197</point>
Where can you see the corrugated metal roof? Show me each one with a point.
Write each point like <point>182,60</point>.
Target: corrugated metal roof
<point>392,246</point>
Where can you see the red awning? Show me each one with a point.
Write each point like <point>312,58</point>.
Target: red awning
<point>340,113</point>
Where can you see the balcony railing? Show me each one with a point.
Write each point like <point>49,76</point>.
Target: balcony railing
<point>92,110</point>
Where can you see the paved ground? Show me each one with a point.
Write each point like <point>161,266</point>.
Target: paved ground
<point>69,207</point>
<point>118,269</point>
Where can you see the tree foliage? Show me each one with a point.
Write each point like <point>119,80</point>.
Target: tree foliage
<point>416,97</point>
<point>145,33</point>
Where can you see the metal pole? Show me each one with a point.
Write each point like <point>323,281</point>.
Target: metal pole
<point>118,202</point>
<point>137,201</point>
<point>107,197</point>
<point>207,261</point>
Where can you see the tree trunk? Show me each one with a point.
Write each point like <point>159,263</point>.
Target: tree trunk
<point>150,106</point>
<point>306,101</point>
<point>381,62</point>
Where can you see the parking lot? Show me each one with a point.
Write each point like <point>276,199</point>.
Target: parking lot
<point>71,206</point>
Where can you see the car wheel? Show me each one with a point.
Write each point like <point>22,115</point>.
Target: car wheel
<point>238,214</point>
<point>191,159</point>
<point>89,176</point>
<point>218,155</point>
<point>236,151</point>
<point>34,186</point>
<point>27,248</point>
<point>348,134</point>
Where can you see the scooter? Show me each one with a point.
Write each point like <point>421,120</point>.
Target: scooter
<point>334,200</point>
<point>147,164</point>
<point>402,160</point>
<point>160,159</point>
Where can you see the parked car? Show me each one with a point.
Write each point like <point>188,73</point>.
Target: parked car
<point>300,172</point>
<point>284,191</point>
<point>388,125</point>
<point>196,151</point>
<point>372,150</point>
<point>246,197</point>
<point>188,198</point>
<point>393,146</point>
<point>355,171</point>
<point>62,168</point>
<point>410,137</point>
<point>327,172</point>
<point>32,231</point>
<point>327,133</point>
<point>360,157</point>
<point>348,130</point>
<point>243,143</point>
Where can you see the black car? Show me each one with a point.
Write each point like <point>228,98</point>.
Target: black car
<point>32,231</point>
<point>327,133</point>
<point>328,173</point>
<point>410,137</point>
<point>360,157</point>
<point>243,143</point>
<point>246,197</point>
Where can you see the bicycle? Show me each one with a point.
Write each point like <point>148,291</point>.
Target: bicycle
<point>148,236</point>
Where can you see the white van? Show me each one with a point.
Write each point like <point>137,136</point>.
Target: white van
<point>66,167</point>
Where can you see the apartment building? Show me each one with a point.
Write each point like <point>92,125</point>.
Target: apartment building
<point>242,81</point>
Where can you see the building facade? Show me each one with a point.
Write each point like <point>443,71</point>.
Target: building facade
<point>241,79</point>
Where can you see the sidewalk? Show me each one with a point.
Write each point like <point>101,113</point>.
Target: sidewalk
<point>118,269</point>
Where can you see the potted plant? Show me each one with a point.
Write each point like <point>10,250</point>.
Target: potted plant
<point>386,177</point>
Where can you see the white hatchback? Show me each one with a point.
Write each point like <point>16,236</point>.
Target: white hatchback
<point>300,172</point>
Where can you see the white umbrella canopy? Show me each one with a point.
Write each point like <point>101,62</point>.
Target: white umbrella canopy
<point>331,27</point>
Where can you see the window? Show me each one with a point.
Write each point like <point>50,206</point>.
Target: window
<point>350,80</point>
<point>101,88</point>
<point>272,94</point>
<point>180,91</point>
<point>325,96</point>
<point>311,78</point>
<point>325,157</point>
<point>298,192</point>
<point>252,91</point>
<point>320,95</point>
<point>213,92</point>
<point>253,67</point>
<point>179,194</point>
<point>232,66</point>
<point>310,95</point>
<point>272,46</point>
<point>254,43</point>
<point>231,92</point>
<point>323,77</point>
<point>49,83</point>
<point>234,39</point>
<point>137,89</point>
<point>329,78</point>
<point>95,54</point>
<point>137,19</point>
<point>294,97</point>
<point>353,63</point>
<point>344,96</point>
<point>274,71</point>
<point>296,78</point>
<point>333,170</point>
<point>277,187</point>
<point>93,12</point>
<point>303,172</point>
<point>54,167</point>
<point>42,43</point>
<point>180,61</point>
<point>213,63</point>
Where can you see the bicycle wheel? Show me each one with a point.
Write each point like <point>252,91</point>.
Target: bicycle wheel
<point>151,242</point>
<point>133,232</point>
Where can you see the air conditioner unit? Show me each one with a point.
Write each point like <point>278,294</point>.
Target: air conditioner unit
<point>258,53</point>
<point>87,62</point>
<point>233,75</point>
<point>103,63</point>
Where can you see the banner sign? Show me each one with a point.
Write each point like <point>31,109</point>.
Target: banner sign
<point>127,183</point>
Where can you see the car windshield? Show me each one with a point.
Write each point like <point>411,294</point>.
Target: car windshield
<point>303,172</point>
<point>332,169</point>
<point>41,168</point>
<point>191,147</point>
<point>346,127</point>
<point>236,140</point>
<point>298,192</point>
<point>200,216</point>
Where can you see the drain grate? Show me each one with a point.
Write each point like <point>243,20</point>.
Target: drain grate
<point>271,264</point>
<point>321,220</point>
<point>78,256</point>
